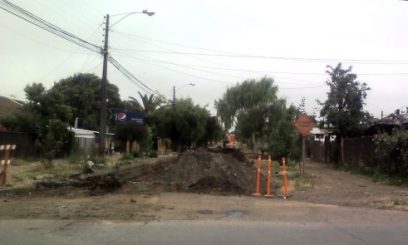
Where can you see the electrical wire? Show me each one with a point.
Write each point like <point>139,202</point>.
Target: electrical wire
<point>131,77</point>
<point>41,23</point>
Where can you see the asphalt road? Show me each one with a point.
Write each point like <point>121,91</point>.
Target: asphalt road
<point>313,225</point>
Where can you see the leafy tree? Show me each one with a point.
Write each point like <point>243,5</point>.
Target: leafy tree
<point>260,117</point>
<point>82,92</point>
<point>132,131</point>
<point>343,108</point>
<point>186,125</point>
<point>250,94</point>
<point>50,117</point>
<point>149,103</point>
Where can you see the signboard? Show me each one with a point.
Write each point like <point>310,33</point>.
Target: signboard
<point>129,116</point>
<point>304,124</point>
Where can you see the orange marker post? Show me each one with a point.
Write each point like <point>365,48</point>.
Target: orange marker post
<point>258,177</point>
<point>268,183</point>
<point>285,178</point>
<point>7,159</point>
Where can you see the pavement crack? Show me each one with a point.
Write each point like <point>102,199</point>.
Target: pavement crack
<point>347,232</point>
<point>127,233</point>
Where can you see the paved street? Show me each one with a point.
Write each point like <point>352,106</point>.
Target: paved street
<point>317,224</point>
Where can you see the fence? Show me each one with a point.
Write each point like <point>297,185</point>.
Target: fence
<point>24,142</point>
<point>359,151</point>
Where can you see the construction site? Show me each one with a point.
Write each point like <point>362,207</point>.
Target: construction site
<point>196,184</point>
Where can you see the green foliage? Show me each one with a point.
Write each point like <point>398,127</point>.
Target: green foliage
<point>260,117</point>
<point>82,92</point>
<point>186,124</point>
<point>132,132</point>
<point>343,108</point>
<point>392,151</point>
<point>247,95</point>
<point>49,117</point>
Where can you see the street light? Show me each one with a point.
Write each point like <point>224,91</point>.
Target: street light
<point>102,131</point>
<point>145,11</point>
<point>174,92</point>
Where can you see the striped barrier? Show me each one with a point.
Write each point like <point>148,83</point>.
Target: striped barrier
<point>5,162</point>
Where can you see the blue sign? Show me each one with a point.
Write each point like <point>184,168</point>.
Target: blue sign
<point>129,116</point>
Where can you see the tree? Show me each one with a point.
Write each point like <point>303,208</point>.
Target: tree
<point>50,117</point>
<point>186,125</point>
<point>343,108</point>
<point>132,131</point>
<point>259,116</point>
<point>250,94</point>
<point>82,92</point>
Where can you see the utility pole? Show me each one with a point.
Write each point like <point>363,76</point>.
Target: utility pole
<point>102,131</point>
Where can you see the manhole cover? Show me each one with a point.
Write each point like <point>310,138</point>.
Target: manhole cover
<point>236,213</point>
<point>205,211</point>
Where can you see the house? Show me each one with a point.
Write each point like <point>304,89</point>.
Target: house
<point>394,121</point>
<point>9,105</point>
<point>88,140</point>
<point>319,134</point>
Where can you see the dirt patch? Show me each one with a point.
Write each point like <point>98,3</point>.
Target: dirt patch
<point>332,186</point>
<point>205,170</point>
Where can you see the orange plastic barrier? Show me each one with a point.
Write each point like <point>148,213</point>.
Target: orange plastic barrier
<point>258,177</point>
<point>269,180</point>
<point>285,178</point>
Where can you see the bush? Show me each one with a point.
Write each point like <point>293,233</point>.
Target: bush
<point>392,151</point>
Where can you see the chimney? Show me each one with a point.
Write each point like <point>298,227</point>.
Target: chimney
<point>382,114</point>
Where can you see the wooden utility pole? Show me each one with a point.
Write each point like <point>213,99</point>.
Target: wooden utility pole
<point>102,131</point>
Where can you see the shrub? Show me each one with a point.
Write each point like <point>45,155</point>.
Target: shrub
<point>392,151</point>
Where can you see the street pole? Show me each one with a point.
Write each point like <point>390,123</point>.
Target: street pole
<point>102,131</point>
<point>302,169</point>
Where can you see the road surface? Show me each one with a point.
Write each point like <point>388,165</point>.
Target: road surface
<point>313,224</point>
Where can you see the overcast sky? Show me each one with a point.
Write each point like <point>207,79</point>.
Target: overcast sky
<point>163,50</point>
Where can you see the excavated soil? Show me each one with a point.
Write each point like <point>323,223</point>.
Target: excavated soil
<point>204,170</point>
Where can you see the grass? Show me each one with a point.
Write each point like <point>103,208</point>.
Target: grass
<point>304,182</point>
<point>298,181</point>
<point>390,204</point>
<point>375,176</point>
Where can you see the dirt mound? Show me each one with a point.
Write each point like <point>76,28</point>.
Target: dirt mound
<point>207,170</point>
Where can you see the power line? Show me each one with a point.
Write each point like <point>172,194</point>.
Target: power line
<point>368,62</point>
<point>45,25</point>
<point>131,77</point>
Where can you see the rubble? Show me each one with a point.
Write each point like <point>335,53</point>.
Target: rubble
<point>199,170</point>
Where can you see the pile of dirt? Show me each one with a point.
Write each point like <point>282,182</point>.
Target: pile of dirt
<point>205,170</point>
<point>199,170</point>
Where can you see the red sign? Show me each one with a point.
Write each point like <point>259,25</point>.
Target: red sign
<point>304,124</point>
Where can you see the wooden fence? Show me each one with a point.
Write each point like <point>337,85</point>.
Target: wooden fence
<point>24,143</point>
<point>358,151</point>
